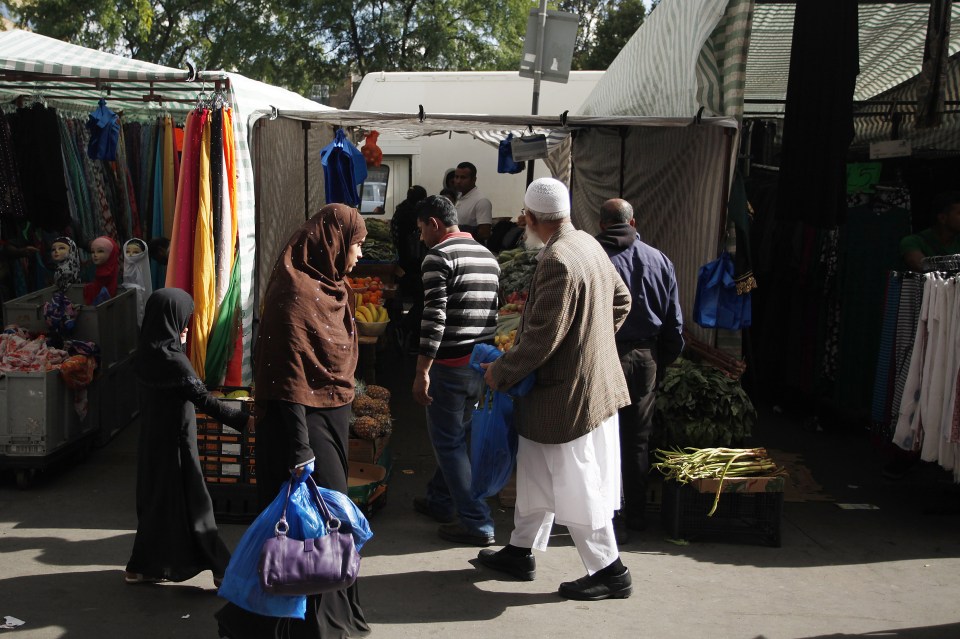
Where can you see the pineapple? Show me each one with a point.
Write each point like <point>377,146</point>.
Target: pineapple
<point>364,405</point>
<point>384,424</point>
<point>365,427</point>
<point>378,392</point>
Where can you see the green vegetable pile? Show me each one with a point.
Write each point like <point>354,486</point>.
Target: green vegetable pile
<point>700,407</point>
<point>378,247</point>
<point>516,270</point>
<point>691,464</point>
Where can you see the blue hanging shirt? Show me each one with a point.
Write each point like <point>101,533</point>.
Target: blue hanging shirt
<point>344,169</point>
<point>104,127</point>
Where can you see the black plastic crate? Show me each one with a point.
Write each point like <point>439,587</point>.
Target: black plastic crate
<point>222,468</point>
<point>752,517</point>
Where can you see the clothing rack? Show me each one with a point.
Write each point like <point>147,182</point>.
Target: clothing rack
<point>941,263</point>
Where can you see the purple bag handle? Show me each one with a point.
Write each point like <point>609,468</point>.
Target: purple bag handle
<point>331,522</point>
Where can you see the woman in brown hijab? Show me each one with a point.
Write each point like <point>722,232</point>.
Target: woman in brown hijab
<point>305,359</point>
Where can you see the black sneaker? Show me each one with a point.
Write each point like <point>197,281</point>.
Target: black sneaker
<point>595,587</point>
<point>523,567</point>
<point>456,532</point>
<point>422,506</point>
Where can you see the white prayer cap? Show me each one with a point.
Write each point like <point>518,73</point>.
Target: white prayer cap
<point>548,199</point>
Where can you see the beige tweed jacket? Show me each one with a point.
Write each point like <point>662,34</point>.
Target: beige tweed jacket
<point>575,305</point>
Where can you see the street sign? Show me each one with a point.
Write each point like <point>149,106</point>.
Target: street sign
<point>560,35</point>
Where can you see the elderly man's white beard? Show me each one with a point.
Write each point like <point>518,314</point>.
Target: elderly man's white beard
<point>531,242</point>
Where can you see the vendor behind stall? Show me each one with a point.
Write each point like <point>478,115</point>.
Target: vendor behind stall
<point>941,238</point>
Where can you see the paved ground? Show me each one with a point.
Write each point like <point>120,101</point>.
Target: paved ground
<point>891,572</point>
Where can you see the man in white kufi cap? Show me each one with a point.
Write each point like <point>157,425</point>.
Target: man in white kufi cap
<point>568,458</point>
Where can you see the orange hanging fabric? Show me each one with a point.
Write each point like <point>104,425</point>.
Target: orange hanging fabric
<point>371,152</point>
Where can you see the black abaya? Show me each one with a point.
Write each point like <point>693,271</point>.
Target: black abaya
<point>177,536</point>
<point>334,614</point>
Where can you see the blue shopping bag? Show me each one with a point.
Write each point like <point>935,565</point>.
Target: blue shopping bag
<point>493,444</point>
<point>717,304</point>
<point>241,583</point>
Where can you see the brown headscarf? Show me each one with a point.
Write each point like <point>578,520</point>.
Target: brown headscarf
<point>307,349</point>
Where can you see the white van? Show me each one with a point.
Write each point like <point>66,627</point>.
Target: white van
<point>426,160</point>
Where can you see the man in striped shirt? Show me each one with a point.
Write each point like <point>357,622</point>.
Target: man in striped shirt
<point>460,281</point>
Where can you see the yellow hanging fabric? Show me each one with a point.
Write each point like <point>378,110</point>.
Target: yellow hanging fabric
<point>204,271</point>
<point>229,165</point>
<point>169,191</point>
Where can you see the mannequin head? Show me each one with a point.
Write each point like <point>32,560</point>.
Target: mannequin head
<point>59,251</point>
<point>134,247</point>
<point>101,250</point>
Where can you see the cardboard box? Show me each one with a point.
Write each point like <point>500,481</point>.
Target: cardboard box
<point>367,451</point>
<point>742,485</point>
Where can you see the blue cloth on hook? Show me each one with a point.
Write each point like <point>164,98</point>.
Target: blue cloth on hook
<point>104,127</point>
<point>344,169</point>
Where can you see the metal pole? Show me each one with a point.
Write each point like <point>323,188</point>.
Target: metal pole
<point>537,72</point>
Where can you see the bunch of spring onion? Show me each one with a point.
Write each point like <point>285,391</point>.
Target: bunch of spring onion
<point>690,464</point>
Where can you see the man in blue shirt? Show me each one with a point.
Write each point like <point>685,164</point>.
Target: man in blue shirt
<point>650,339</point>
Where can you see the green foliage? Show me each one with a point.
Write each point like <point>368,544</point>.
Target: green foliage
<point>292,43</point>
<point>605,26</point>
<point>700,407</point>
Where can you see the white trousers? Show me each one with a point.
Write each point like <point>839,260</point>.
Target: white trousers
<point>577,484</point>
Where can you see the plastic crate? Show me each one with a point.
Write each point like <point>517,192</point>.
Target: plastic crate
<point>111,325</point>
<point>114,399</point>
<point>38,419</point>
<point>226,454</point>
<point>740,516</point>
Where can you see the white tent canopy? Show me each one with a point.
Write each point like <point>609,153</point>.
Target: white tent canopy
<point>74,78</point>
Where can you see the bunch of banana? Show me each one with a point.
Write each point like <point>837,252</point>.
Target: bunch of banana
<point>370,312</point>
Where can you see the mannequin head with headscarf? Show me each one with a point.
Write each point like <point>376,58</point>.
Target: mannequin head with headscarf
<point>136,272</point>
<point>64,253</point>
<point>106,255</point>
<point>306,352</point>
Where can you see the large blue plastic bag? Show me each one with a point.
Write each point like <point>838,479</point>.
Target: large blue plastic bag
<point>493,444</point>
<point>484,354</point>
<point>241,583</point>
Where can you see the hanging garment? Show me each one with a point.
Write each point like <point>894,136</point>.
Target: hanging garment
<point>157,221</point>
<point>104,127</point>
<point>11,195</point>
<point>221,267</point>
<point>169,194</point>
<point>204,277</point>
<point>372,154</point>
<point>35,132</point>
<point>179,260</point>
<point>884,375</point>
<point>136,272</point>
<point>224,332</point>
<point>344,169</point>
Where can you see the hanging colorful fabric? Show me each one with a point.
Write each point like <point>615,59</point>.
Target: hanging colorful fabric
<point>223,335</point>
<point>371,152</point>
<point>204,276</point>
<point>344,169</point>
<point>104,127</point>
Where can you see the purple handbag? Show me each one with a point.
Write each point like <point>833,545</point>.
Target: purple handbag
<point>312,566</point>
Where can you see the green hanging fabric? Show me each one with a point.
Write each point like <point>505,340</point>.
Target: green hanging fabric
<point>223,334</point>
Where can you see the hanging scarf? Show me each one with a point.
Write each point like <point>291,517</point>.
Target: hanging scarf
<point>160,357</point>
<point>68,268</point>
<point>106,274</point>
<point>136,273</point>
<point>307,348</point>
<point>204,275</point>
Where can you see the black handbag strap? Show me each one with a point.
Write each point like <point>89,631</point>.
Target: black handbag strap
<point>331,522</point>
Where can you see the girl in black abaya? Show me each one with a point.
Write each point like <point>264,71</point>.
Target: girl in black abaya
<point>177,536</point>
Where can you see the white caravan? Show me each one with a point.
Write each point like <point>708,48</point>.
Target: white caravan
<point>426,160</point>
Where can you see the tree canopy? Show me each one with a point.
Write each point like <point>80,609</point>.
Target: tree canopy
<point>302,43</point>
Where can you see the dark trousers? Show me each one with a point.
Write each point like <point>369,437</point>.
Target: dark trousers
<point>636,422</point>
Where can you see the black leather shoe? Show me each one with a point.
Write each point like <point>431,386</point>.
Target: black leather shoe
<point>522,567</point>
<point>595,588</point>
<point>457,533</point>
<point>422,506</point>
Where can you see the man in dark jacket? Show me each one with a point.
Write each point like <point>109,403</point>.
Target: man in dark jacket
<point>650,339</point>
